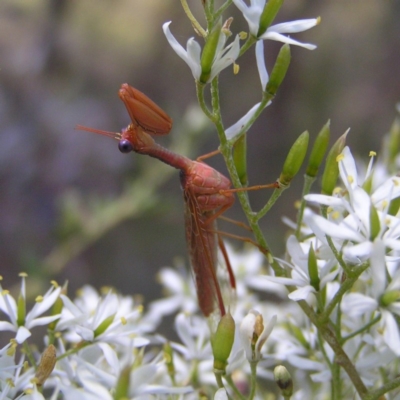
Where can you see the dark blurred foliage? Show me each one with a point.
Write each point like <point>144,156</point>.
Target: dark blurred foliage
<point>62,63</point>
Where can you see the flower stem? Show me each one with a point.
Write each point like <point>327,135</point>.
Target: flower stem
<point>308,181</point>
<point>193,20</point>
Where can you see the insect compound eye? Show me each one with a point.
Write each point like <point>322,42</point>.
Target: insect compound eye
<point>125,146</point>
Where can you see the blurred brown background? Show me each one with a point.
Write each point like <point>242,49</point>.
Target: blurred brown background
<point>61,64</point>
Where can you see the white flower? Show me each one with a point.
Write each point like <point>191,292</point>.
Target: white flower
<point>195,335</point>
<point>300,271</point>
<point>224,56</point>
<point>101,319</point>
<point>254,334</point>
<point>274,32</point>
<point>363,306</point>
<point>351,222</point>
<point>253,13</point>
<point>21,323</point>
<point>180,295</point>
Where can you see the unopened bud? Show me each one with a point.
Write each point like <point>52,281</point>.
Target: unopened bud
<point>254,334</point>
<point>389,297</point>
<point>46,365</point>
<point>279,70</point>
<point>331,172</point>
<point>284,380</point>
<point>222,341</point>
<point>313,269</point>
<point>319,149</point>
<point>240,158</point>
<point>392,145</point>
<point>294,159</point>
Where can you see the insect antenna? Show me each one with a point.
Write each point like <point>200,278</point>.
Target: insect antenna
<point>113,135</point>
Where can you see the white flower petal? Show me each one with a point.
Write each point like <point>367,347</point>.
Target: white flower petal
<point>221,394</point>
<point>191,56</point>
<point>262,69</point>
<point>302,293</point>
<point>324,200</point>
<point>111,357</point>
<point>358,252</point>
<point>361,204</point>
<point>226,57</point>
<point>348,169</point>
<point>331,229</point>
<point>284,39</point>
<point>284,281</point>
<point>391,333</point>
<point>299,25</point>
<point>22,334</point>
<point>378,268</point>
<point>235,129</point>
<point>390,186</point>
<point>305,363</point>
<point>356,304</point>
<point>251,14</point>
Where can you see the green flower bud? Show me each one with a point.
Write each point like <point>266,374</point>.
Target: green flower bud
<point>294,159</point>
<point>279,71</point>
<point>209,50</point>
<point>268,15</point>
<point>122,386</point>
<point>240,158</point>
<point>331,172</point>
<point>313,269</point>
<point>46,365</point>
<point>284,380</point>
<point>319,149</point>
<point>374,223</point>
<point>222,341</point>
<point>389,297</point>
<point>392,145</point>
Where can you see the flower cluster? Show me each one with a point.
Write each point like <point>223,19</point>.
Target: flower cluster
<point>332,307</point>
<point>207,63</point>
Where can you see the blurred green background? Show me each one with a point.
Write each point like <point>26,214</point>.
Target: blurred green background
<point>61,64</point>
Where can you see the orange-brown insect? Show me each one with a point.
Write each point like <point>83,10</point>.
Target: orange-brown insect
<point>206,192</point>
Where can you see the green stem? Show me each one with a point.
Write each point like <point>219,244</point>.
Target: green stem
<point>200,97</point>
<point>274,197</point>
<point>29,354</point>
<point>344,288</point>
<point>361,330</point>
<point>341,358</point>
<point>249,42</point>
<point>253,380</point>
<point>220,10</point>
<point>198,28</point>
<point>378,393</point>
<point>308,182</point>
<point>218,378</point>
<point>74,350</point>
<point>232,385</point>
<point>264,102</point>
